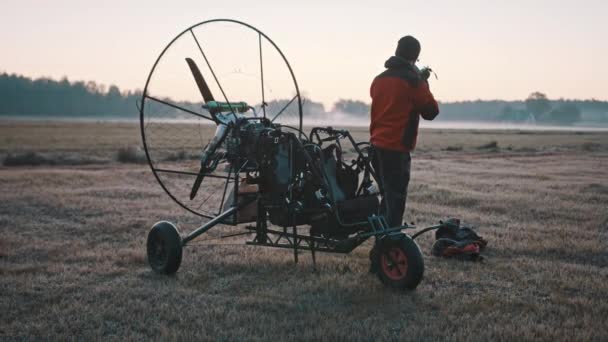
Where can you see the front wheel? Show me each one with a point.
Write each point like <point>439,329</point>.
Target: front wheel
<point>164,248</point>
<point>398,262</point>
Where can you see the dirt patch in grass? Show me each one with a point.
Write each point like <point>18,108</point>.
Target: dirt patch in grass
<point>590,147</point>
<point>131,154</point>
<point>180,155</point>
<point>50,159</point>
<point>489,145</point>
<point>3,245</point>
<point>453,148</point>
<point>597,188</point>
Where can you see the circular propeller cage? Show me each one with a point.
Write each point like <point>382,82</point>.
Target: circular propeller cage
<point>221,61</point>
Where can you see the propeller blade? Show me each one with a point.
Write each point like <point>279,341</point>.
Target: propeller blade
<point>197,183</point>
<point>200,81</point>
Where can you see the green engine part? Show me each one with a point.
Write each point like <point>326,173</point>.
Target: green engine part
<point>221,107</point>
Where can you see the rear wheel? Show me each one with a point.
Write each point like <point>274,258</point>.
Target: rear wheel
<point>164,248</point>
<point>398,262</point>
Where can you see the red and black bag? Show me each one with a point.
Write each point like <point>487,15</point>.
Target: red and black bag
<point>454,241</point>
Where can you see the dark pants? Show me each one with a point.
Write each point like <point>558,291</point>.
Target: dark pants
<point>393,171</point>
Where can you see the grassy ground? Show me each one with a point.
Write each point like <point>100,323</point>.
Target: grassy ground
<point>72,250</point>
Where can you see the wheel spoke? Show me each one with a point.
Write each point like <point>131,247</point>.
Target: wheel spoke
<point>262,74</point>
<point>283,109</point>
<point>167,103</point>
<point>394,263</point>
<point>212,72</point>
<point>189,173</point>
<point>398,257</point>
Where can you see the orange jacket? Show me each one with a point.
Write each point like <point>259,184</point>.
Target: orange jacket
<point>399,98</point>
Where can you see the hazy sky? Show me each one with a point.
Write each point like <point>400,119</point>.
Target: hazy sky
<point>480,49</point>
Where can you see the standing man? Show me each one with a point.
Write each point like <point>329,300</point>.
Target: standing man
<point>400,95</point>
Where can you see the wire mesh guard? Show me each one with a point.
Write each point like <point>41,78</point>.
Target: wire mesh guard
<point>239,64</point>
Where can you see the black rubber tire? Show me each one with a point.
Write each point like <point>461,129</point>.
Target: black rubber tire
<point>413,260</point>
<point>164,247</point>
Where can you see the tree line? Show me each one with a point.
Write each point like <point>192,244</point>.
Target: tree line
<point>23,96</point>
<point>44,96</point>
<point>537,108</point>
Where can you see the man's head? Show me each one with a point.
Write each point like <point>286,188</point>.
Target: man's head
<point>408,48</point>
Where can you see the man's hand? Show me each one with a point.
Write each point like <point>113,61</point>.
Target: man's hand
<point>425,73</point>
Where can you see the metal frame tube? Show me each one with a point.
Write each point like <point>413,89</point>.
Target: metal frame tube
<point>208,225</point>
<point>212,223</point>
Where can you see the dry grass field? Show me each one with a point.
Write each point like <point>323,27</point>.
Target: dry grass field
<point>73,264</point>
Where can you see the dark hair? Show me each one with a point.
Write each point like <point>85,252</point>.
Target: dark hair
<point>408,48</point>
